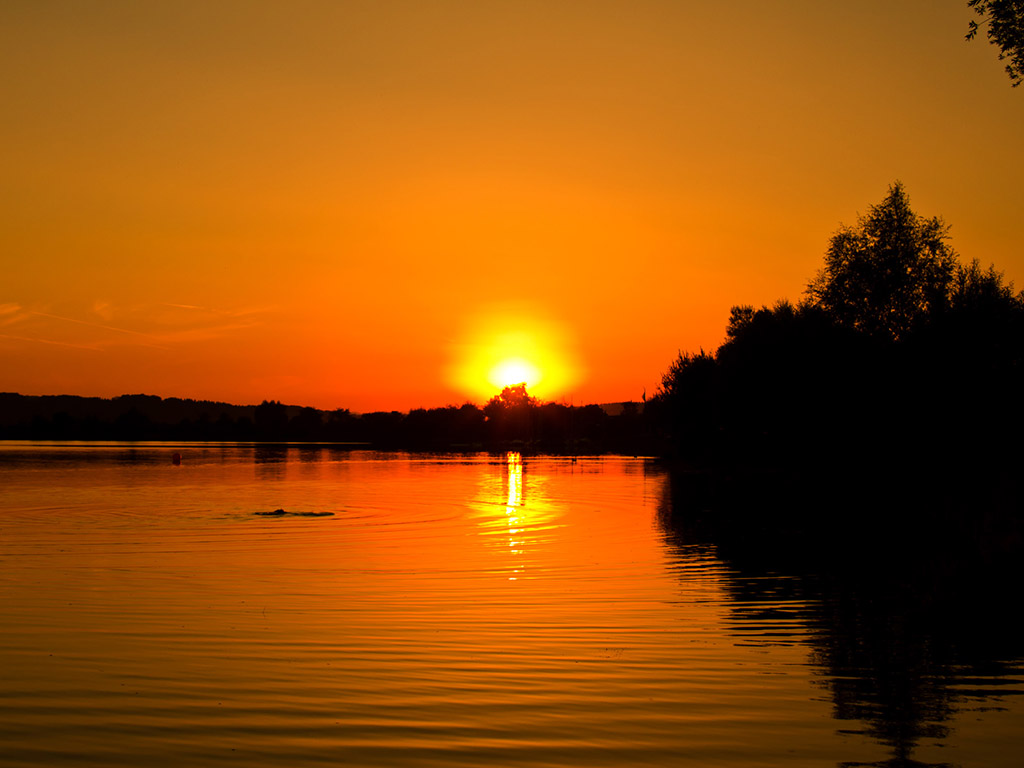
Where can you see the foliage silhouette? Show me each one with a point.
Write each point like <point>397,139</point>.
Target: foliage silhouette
<point>888,273</point>
<point>1005,30</point>
<point>898,355</point>
<point>511,415</point>
<point>271,418</point>
<point>307,425</point>
<point>687,404</point>
<point>516,420</point>
<point>512,396</point>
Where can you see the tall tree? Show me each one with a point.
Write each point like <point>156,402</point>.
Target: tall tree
<point>512,396</point>
<point>1005,20</point>
<point>511,414</point>
<point>888,273</point>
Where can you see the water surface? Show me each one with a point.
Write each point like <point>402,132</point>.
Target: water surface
<point>450,610</point>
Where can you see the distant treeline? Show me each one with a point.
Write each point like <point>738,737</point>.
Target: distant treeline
<point>898,354</point>
<point>510,420</point>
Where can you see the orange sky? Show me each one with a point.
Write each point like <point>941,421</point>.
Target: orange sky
<point>354,205</point>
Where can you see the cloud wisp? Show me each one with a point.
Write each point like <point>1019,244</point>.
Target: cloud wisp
<point>49,341</point>
<point>160,325</point>
<point>152,341</point>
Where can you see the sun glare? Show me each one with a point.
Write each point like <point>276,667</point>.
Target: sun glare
<point>515,371</point>
<point>510,347</point>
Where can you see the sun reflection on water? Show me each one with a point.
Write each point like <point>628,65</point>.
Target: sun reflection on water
<point>514,504</point>
<point>517,515</point>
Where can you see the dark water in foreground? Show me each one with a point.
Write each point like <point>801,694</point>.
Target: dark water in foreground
<point>477,610</point>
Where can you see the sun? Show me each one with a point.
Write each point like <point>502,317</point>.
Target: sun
<point>514,370</point>
<point>508,346</point>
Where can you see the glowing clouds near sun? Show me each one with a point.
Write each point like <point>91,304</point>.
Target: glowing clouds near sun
<point>510,347</point>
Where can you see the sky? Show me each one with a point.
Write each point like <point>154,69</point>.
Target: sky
<point>389,205</point>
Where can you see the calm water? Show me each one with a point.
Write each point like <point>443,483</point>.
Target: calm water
<point>462,610</point>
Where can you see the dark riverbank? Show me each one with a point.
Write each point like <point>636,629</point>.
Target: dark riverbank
<point>528,426</point>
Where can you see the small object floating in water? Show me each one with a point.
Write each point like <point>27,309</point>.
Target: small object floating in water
<point>176,459</point>
<point>283,513</point>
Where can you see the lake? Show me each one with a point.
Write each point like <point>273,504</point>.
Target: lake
<point>268,605</point>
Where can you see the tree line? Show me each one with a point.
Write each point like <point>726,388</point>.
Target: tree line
<point>511,419</point>
<point>896,352</point>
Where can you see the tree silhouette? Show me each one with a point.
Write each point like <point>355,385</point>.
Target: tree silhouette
<point>686,404</point>
<point>982,291</point>
<point>271,418</point>
<point>888,273</point>
<point>899,354</point>
<point>307,424</point>
<point>511,415</point>
<point>1005,30</point>
<point>512,396</point>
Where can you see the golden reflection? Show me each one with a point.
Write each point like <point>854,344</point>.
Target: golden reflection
<point>514,505</point>
<point>517,515</point>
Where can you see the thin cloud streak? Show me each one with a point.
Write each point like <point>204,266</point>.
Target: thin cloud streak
<point>204,334</point>
<point>213,311</point>
<point>104,327</point>
<point>232,321</point>
<point>49,341</point>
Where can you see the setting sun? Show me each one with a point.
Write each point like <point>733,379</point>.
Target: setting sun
<point>515,371</point>
<point>512,345</point>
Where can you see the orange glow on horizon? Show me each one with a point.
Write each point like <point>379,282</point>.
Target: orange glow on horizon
<point>236,214</point>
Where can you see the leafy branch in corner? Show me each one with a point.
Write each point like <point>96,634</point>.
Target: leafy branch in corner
<point>1005,29</point>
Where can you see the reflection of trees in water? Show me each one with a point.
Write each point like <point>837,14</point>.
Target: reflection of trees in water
<point>269,461</point>
<point>908,599</point>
